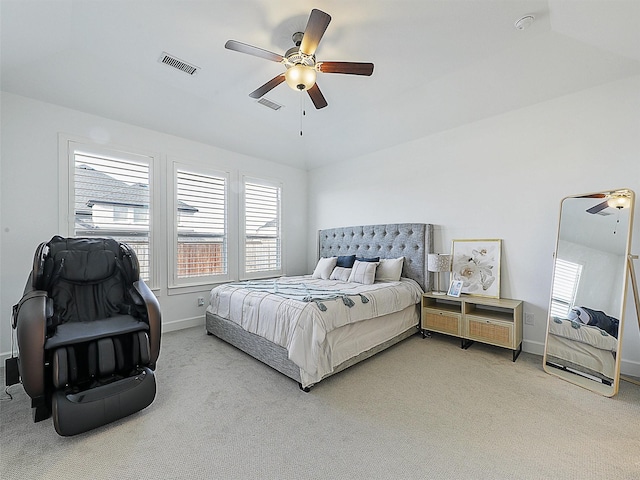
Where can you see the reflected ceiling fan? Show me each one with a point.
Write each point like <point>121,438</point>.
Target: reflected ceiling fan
<point>300,61</point>
<point>619,199</point>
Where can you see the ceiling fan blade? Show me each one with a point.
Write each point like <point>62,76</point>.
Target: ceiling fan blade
<point>316,97</point>
<point>270,85</point>
<point>598,208</point>
<point>350,68</point>
<point>251,50</point>
<point>316,26</point>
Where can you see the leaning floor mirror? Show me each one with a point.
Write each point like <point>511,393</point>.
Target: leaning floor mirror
<point>589,290</point>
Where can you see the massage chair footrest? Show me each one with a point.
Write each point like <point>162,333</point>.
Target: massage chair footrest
<point>75,413</point>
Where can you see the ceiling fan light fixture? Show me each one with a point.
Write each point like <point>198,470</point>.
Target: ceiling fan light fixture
<point>300,77</point>
<point>619,201</point>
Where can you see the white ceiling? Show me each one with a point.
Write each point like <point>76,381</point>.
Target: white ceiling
<point>438,65</point>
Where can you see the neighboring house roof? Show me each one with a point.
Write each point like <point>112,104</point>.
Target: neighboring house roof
<point>107,190</point>
<point>94,187</point>
<point>270,224</point>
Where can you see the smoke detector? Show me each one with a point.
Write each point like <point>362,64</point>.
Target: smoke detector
<point>524,22</point>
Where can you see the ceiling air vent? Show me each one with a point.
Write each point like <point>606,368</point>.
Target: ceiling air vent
<point>270,104</point>
<point>177,63</point>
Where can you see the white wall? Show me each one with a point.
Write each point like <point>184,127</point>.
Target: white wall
<point>503,177</point>
<point>29,194</point>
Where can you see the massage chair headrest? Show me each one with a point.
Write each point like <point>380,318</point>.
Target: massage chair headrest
<point>82,260</point>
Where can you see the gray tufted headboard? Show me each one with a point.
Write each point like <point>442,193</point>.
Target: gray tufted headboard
<point>413,241</point>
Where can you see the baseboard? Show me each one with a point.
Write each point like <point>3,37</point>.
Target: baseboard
<point>629,368</point>
<point>537,348</point>
<point>182,324</point>
<point>3,359</point>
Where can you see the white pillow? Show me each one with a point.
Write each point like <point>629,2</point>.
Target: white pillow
<point>340,273</point>
<point>389,269</point>
<point>363,272</point>
<point>324,268</point>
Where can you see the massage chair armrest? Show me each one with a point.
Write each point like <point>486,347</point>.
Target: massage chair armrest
<point>30,321</point>
<point>155,320</point>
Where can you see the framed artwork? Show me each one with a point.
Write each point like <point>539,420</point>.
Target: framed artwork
<point>455,289</point>
<point>476,263</point>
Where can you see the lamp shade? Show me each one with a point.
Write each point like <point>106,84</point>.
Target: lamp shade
<point>439,262</point>
<point>300,77</point>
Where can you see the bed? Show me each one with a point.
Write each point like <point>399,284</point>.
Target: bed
<point>582,349</point>
<point>310,328</point>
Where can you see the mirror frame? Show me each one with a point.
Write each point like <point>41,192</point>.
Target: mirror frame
<point>575,378</point>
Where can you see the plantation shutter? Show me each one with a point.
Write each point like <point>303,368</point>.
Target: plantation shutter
<point>565,286</point>
<point>111,199</point>
<point>262,227</point>
<point>201,212</point>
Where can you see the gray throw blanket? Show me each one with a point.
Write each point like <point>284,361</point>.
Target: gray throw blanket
<point>301,292</point>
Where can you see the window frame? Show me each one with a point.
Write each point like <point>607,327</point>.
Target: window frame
<point>244,274</point>
<point>70,146</point>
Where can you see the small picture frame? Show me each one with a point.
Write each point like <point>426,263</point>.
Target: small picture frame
<point>455,288</point>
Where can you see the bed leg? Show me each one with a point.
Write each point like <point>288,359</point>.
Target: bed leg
<point>304,389</point>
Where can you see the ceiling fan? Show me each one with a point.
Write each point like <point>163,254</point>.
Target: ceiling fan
<point>619,199</point>
<point>300,61</point>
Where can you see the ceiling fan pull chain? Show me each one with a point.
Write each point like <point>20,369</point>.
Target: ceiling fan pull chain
<point>302,112</point>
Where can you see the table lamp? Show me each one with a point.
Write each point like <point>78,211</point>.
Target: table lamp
<point>438,263</point>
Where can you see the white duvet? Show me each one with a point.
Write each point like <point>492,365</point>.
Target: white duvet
<point>301,327</point>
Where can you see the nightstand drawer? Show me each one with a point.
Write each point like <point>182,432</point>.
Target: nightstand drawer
<point>442,322</point>
<point>490,331</point>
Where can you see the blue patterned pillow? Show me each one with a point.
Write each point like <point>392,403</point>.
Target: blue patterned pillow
<point>346,261</point>
<point>370,259</point>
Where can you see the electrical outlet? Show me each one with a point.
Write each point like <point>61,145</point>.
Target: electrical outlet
<point>201,301</point>
<point>528,319</point>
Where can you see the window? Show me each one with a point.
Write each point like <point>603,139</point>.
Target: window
<point>207,226</point>
<point>566,278</point>
<point>262,232</point>
<point>110,197</point>
<point>201,240</point>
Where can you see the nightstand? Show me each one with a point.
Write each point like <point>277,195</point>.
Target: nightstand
<point>495,321</point>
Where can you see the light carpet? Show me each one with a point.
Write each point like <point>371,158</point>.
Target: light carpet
<point>422,409</point>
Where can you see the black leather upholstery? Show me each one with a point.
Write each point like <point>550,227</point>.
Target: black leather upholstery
<point>88,333</point>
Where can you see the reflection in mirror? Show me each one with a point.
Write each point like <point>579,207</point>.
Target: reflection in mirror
<point>589,290</point>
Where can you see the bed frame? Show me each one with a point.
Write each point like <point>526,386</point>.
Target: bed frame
<point>410,240</point>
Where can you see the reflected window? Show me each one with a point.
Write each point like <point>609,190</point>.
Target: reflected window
<point>565,285</point>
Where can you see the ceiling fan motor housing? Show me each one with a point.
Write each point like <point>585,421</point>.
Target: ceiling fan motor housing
<point>297,38</point>
<point>301,71</point>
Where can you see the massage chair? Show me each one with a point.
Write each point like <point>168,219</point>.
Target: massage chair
<point>88,332</point>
